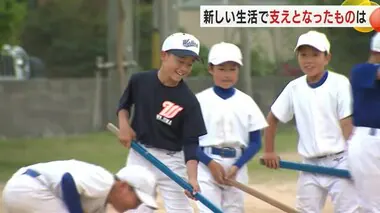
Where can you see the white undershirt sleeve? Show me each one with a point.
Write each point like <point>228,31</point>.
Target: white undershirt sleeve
<point>256,119</point>
<point>282,108</point>
<point>344,99</point>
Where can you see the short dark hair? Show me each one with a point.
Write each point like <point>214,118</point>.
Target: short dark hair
<point>325,52</point>
<point>212,65</point>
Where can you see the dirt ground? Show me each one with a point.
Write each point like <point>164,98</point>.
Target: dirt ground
<point>284,192</point>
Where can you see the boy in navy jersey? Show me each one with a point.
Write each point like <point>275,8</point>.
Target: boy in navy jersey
<point>364,146</point>
<point>167,121</point>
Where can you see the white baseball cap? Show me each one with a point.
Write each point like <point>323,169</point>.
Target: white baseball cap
<point>375,43</point>
<point>182,45</point>
<point>314,39</point>
<point>142,181</point>
<point>223,52</point>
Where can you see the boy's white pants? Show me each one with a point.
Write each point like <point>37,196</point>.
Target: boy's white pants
<point>175,200</point>
<point>312,189</point>
<point>364,166</point>
<point>25,194</point>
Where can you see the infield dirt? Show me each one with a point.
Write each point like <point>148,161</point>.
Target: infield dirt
<point>284,192</point>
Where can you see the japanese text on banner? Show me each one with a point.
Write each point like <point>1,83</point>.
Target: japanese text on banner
<point>285,16</point>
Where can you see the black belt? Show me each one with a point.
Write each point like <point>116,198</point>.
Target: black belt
<point>225,152</point>
<point>329,155</point>
<point>32,173</point>
<point>168,152</point>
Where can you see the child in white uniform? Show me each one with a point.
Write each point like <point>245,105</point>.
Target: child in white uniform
<point>320,101</point>
<point>233,122</point>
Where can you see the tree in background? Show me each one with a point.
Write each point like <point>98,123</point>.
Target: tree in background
<point>67,36</point>
<point>348,46</point>
<point>12,16</point>
<point>144,11</point>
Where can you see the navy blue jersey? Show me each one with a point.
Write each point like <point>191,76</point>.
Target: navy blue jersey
<point>164,117</point>
<point>366,95</point>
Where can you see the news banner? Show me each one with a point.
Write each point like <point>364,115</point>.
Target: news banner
<point>289,16</point>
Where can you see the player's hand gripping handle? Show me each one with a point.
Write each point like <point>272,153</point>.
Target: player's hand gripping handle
<point>342,173</point>
<point>163,168</point>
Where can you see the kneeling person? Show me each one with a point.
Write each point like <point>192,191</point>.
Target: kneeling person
<point>72,186</point>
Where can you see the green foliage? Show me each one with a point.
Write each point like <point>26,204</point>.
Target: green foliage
<point>67,35</point>
<point>73,35</point>
<point>260,65</point>
<point>348,46</point>
<point>12,16</point>
<point>200,68</point>
<point>145,38</point>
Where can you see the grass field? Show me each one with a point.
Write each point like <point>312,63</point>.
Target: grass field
<point>103,149</point>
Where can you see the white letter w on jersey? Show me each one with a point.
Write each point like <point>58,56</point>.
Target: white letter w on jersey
<point>170,109</point>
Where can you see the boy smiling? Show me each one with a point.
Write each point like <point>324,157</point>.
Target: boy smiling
<point>321,102</point>
<point>167,120</point>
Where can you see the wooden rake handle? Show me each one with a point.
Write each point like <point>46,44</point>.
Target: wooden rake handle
<point>262,197</point>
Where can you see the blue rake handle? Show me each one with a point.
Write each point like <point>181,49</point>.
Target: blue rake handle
<point>163,168</point>
<point>138,148</point>
<point>313,169</point>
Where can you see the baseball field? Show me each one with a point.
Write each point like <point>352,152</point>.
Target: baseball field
<point>103,149</point>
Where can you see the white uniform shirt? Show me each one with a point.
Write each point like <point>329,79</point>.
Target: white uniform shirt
<point>93,182</point>
<point>317,112</point>
<point>228,122</point>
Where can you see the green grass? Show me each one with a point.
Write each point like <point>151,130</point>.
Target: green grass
<point>104,149</point>
<point>101,148</point>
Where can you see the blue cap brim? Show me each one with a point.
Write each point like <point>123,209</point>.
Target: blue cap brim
<point>184,53</point>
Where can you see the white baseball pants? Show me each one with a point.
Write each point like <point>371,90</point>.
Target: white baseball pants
<point>227,198</point>
<point>312,189</point>
<point>25,194</point>
<point>175,200</point>
<point>364,166</point>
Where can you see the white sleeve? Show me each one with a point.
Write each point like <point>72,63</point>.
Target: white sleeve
<point>256,118</point>
<point>282,108</point>
<point>345,99</point>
